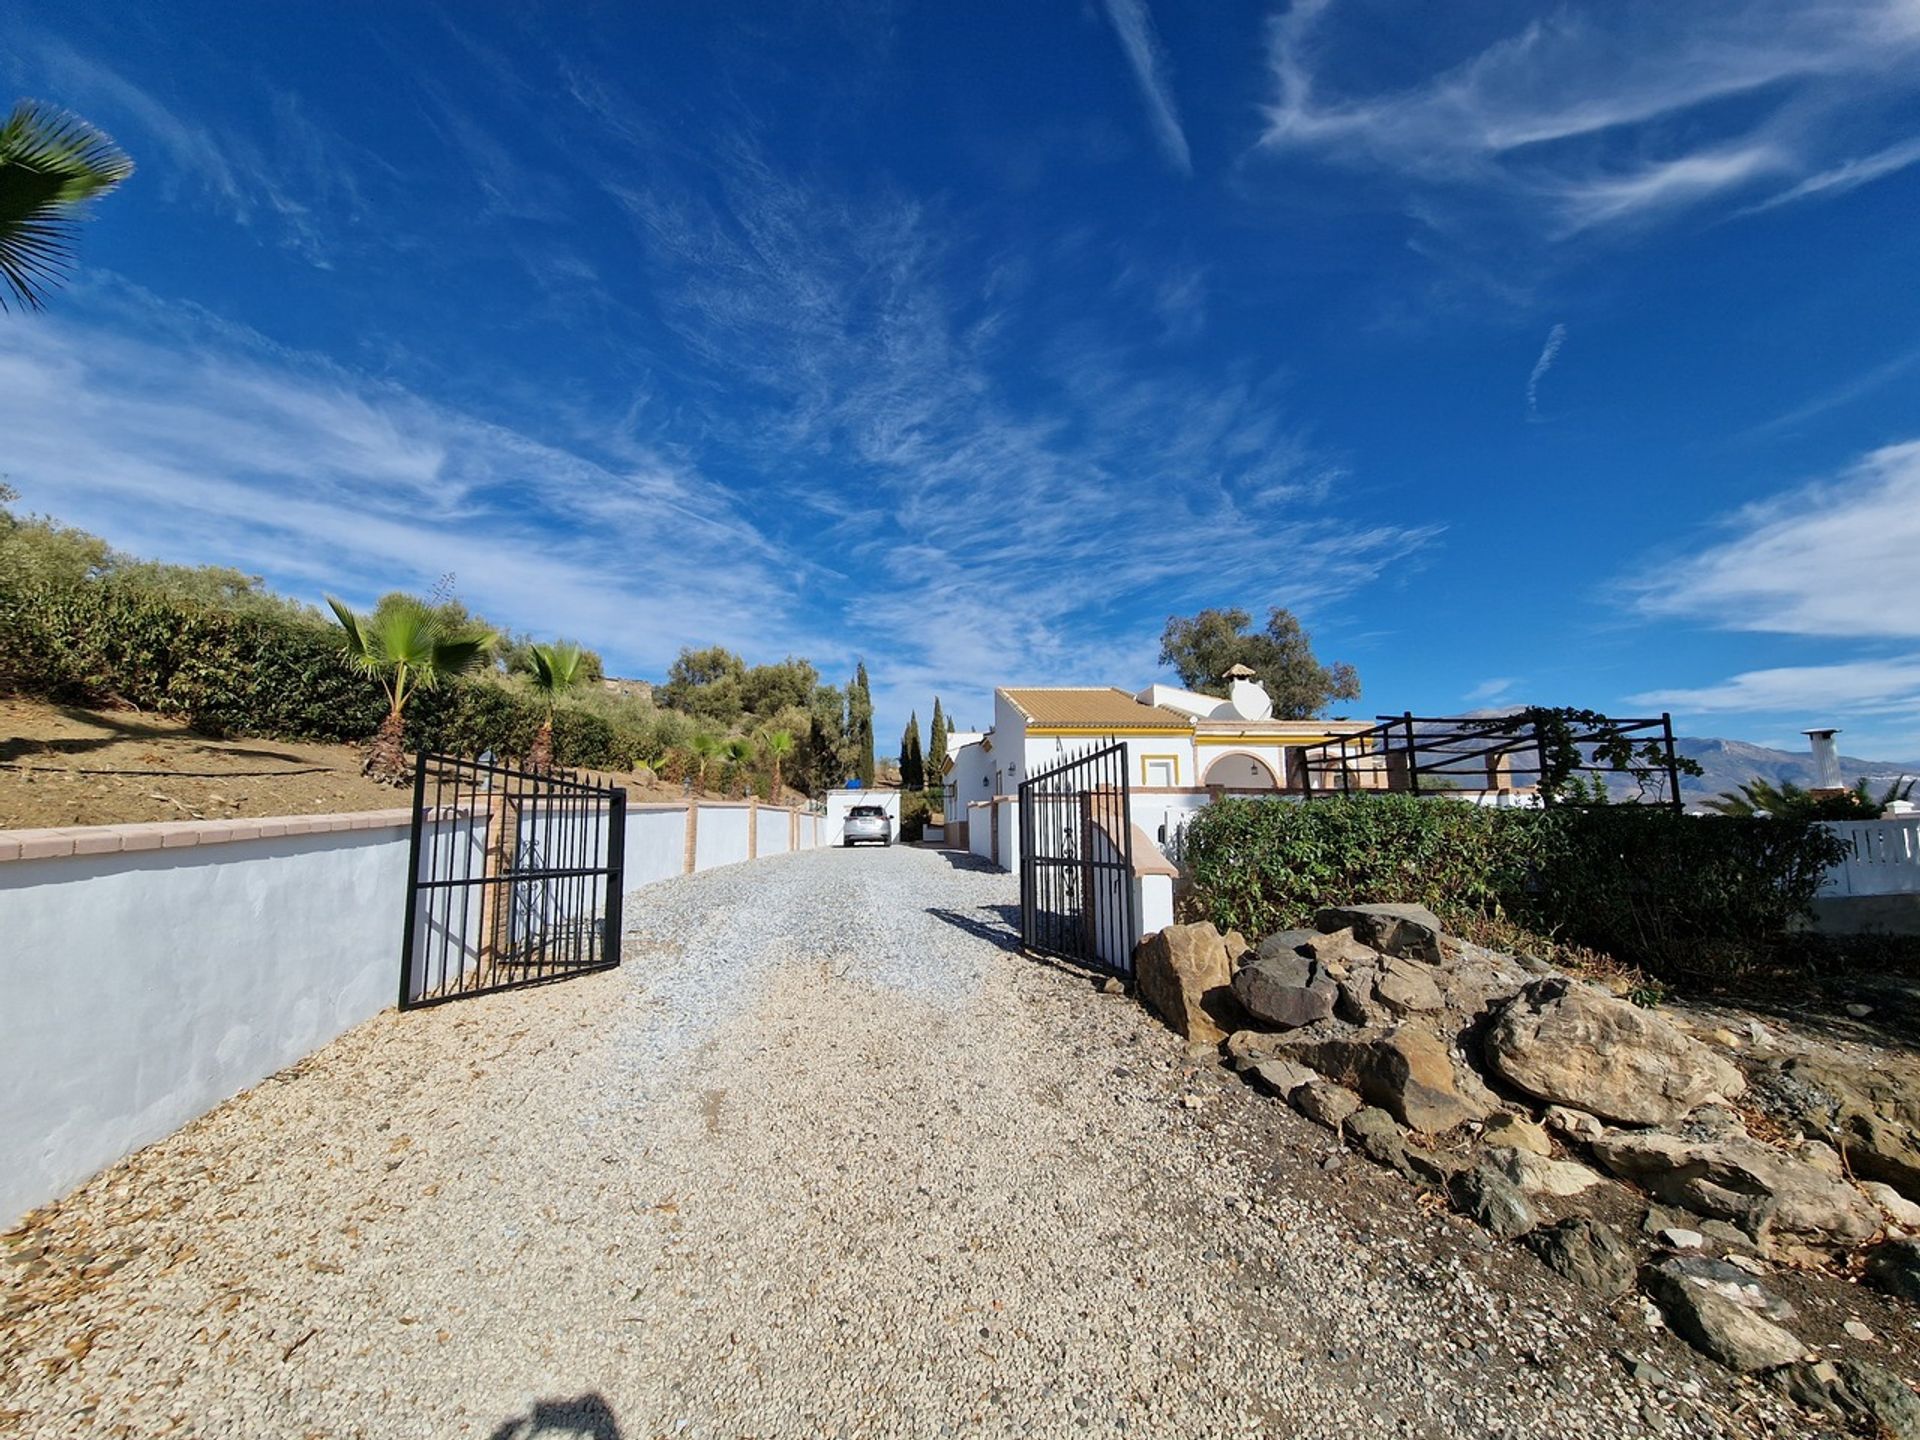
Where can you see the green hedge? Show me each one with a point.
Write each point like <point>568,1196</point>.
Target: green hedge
<point>1678,895</point>
<point>230,673</point>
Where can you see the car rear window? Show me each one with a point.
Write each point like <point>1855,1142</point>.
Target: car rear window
<point>865,812</point>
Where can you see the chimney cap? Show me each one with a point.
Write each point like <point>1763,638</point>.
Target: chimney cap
<point>1826,733</point>
<point>1239,672</point>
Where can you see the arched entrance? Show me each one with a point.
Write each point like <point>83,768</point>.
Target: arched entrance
<point>1237,770</point>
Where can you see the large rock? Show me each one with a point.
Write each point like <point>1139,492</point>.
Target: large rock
<point>1733,1177</point>
<point>1285,990</point>
<point>1587,1252</point>
<point>1895,1268</point>
<point>1325,1103</point>
<point>1406,985</point>
<point>1185,975</point>
<point>1283,1077</point>
<point>1567,1043</point>
<point>1713,1314</point>
<point>1860,1395</point>
<point>1342,947</point>
<point>1405,1071</point>
<point>1410,931</point>
<point>1357,1005</point>
<point>1541,1175</point>
<point>1872,1108</point>
<point>1507,1131</point>
<point>1376,1135</point>
<point>1285,942</point>
<point>1494,1201</point>
<point>1248,1048</point>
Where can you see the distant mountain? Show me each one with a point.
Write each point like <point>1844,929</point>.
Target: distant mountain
<point>1730,763</point>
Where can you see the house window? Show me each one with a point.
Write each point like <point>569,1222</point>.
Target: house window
<point>1160,771</point>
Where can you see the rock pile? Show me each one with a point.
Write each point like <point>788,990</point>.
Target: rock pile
<point>1538,1105</point>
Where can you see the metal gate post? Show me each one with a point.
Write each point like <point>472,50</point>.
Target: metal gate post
<point>616,874</point>
<point>413,880</point>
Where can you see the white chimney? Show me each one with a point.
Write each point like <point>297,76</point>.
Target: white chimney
<point>1826,760</point>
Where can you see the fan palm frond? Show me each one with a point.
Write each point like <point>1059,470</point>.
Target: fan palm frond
<point>51,164</point>
<point>557,669</point>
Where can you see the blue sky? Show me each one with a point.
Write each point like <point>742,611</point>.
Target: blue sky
<point>1559,354</point>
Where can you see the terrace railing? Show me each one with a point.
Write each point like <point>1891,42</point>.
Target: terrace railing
<point>1559,757</point>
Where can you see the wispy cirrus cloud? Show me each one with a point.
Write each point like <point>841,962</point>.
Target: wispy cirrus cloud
<point>1549,352</point>
<point>988,529</point>
<point>1872,688</point>
<point>180,437</point>
<point>1133,24</point>
<point>1848,175</point>
<point>291,179</point>
<point>1793,565</point>
<point>1823,561</point>
<point>1589,118</point>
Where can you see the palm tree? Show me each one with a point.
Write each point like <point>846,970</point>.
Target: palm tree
<point>1788,801</point>
<point>707,747</point>
<point>556,670</point>
<point>778,745</point>
<point>739,753</point>
<point>403,646</point>
<point>51,164</point>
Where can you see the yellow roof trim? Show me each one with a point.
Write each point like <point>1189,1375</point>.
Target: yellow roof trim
<point>1268,739</point>
<point>1047,730</point>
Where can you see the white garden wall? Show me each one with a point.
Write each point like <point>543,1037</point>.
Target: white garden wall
<point>723,836</point>
<point>150,972</point>
<point>770,832</point>
<point>656,843</point>
<point>143,988</point>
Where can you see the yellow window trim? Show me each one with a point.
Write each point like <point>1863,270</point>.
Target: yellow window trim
<point>1146,759</point>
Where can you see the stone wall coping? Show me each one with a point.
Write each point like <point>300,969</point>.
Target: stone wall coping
<point>52,843</point>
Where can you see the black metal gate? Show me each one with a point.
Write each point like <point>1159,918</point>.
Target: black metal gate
<point>1076,862</point>
<point>516,879</point>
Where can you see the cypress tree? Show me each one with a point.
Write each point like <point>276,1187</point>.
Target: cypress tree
<point>913,767</point>
<point>937,746</point>
<point>860,713</point>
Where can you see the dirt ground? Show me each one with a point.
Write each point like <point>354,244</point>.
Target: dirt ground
<point>64,766</point>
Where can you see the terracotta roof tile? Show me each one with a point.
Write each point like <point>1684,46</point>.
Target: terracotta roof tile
<point>1104,706</point>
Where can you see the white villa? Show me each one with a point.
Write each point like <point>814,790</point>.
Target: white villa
<point>1183,749</point>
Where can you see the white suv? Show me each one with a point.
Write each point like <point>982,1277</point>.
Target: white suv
<point>867,822</point>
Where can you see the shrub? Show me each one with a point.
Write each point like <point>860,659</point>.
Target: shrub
<point>82,625</point>
<point>1681,896</point>
<point>1263,865</point>
<point>1684,896</point>
<point>915,811</point>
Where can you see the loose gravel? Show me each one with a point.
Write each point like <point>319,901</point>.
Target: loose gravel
<point>824,1157</point>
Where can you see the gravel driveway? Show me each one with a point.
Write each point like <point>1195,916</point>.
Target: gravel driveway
<point>824,1157</point>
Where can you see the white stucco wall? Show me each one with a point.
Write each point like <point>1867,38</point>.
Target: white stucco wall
<point>1161,816</point>
<point>722,836</point>
<point>142,986</point>
<point>139,990</point>
<point>770,832</point>
<point>656,844</point>
<point>1043,752</point>
<point>971,776</point>
<point>980,830</point>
